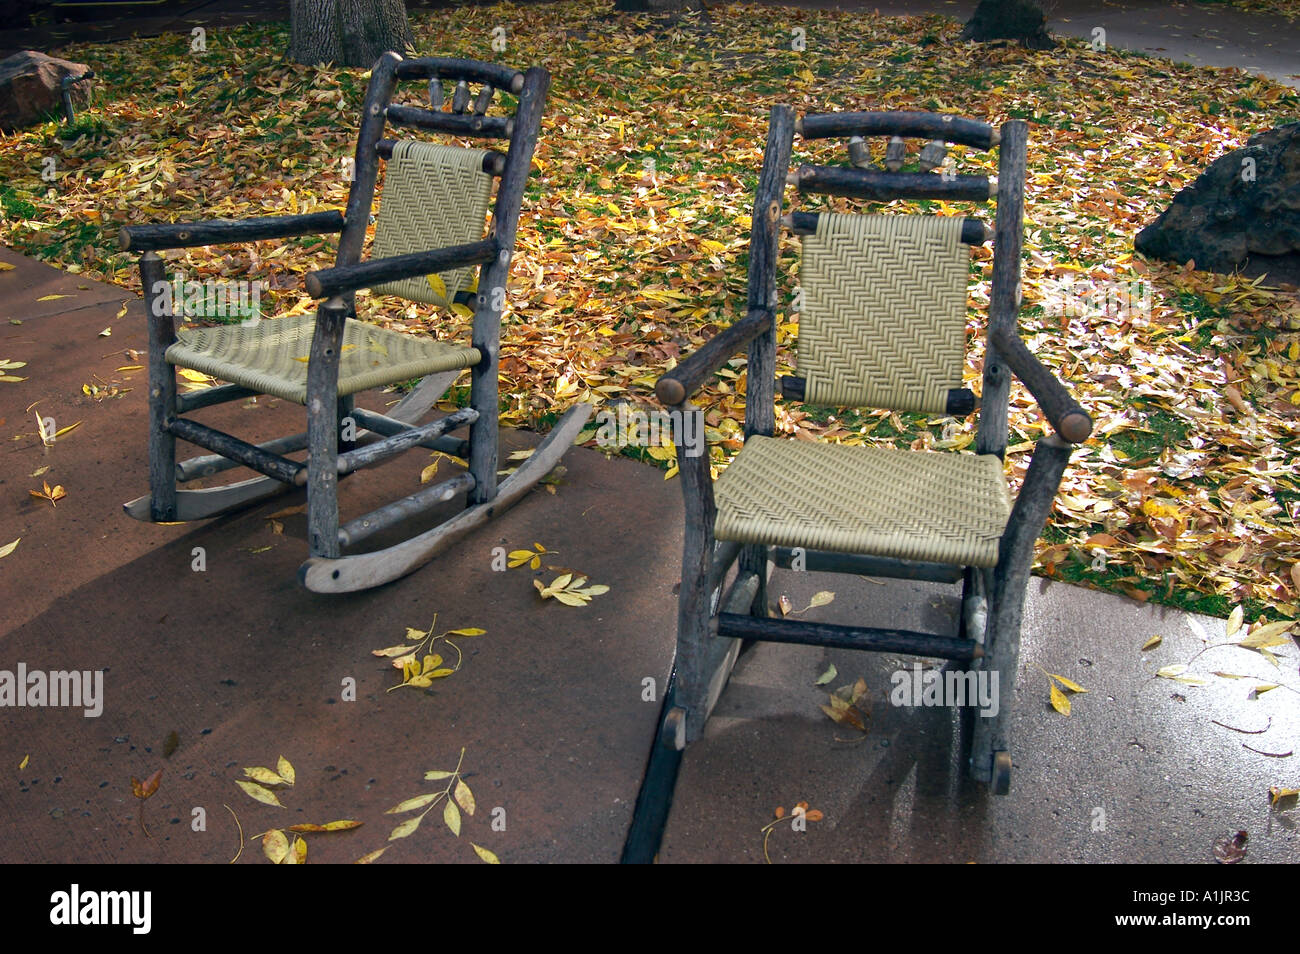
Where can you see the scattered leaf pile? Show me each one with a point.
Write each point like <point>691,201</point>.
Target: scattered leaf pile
<point>632,249</point>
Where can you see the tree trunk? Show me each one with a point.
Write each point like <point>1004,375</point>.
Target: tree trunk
<point>347,32</point>
<point>1020,20</point>
<point>657,6</point>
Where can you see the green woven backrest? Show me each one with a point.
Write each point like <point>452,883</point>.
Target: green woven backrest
<point>434,196</point>
<point>883,322</point>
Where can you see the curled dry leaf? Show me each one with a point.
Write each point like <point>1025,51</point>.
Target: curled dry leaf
<point>1230,849</point>
<point>145,789</point>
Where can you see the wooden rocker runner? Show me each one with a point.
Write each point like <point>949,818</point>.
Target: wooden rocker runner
<point>429,236</point>
<point>882,324</point>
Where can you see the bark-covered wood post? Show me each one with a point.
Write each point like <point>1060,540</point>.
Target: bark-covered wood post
<point>1004,295</point>
<point>764,245</point>
<point>1007,602</point>
<point>493,278</point>
<point>347,32</point>
<point>323,429</point>
<point>162,391</point>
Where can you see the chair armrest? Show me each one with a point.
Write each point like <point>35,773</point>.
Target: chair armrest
<point>682,381</point>
<point>1069,420</point>
<point>148,238</point>
<point>329,282</point>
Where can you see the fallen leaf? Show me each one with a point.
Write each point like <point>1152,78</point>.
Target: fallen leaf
<point>827,676</point>
<point>275,845</point>
<point>258,793</point>
<point>1152,643</point>
<point>9,548</point>
<point>485,855</point>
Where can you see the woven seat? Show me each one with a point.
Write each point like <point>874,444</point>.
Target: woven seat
<point>883,322</point>
<point>270,357</point>
<point>434,196</point>
<point>910,505</point>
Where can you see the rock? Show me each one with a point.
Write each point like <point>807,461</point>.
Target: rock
<point>1247,202</point>
<point>1009,20</point>
<point>30,87</point>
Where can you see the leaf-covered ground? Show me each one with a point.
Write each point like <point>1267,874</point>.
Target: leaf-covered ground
<point>1287,8</point>
<point>633,242</point>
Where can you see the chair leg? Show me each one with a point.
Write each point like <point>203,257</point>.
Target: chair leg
<point>990,749</point>
<point>162,392</point>
<point>323,430</point>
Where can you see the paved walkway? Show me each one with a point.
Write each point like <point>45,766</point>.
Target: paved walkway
<point>244,666</point>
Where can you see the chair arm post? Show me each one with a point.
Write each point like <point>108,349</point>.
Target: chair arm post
<point>694,604</point>
<point>681,382</point>
<point>162,388</point>
<point>322,428</point>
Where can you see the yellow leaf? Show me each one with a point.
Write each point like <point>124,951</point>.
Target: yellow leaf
<point>821,599</point>
<point>275,845</point>
<point>23,764</point>
<point>299,854</point>
<point>436,774</point>
<point>411,804</point>
<point>63,430</point>
<point>369,858</point>
<point>451,815</point>
<point>9,548</point>
<point>52,297</point>
<point>285,770</point>
<point>1060,701</point>
<point>1234,619</point>
<point>1152,643</point>
<point>258,793</point>
<point>1068,684</point>
<point>406,828</point>
<point>467,631</point>
<point>486,855</point>
<point>263,775</point>
<point>464,797</point>
<point>1270,634</point>
<point>1276,793</point>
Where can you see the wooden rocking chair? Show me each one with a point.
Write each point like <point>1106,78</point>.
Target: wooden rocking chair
<point>429,235</point>
<point>882,325</point>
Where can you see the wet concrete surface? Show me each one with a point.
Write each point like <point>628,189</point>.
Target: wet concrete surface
<point>245,666</point>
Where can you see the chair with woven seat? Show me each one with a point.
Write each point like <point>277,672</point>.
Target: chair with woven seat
<point>882,324</point>
<point>429,238</point>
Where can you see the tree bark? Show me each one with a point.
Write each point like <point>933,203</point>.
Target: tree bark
<point>1020,20</point>
<point>347,32</point>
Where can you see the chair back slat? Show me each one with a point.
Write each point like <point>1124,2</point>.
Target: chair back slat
<point>883,319</point>
<point>435,196</point>
<point>942,126</point>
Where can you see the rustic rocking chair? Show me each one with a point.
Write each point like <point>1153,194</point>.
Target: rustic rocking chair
<point>429,235</point>
<point>882,325</point>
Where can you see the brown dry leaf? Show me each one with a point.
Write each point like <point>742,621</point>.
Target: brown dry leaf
<point>145,789</point>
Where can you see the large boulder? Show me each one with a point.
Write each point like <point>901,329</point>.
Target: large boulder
<point>1247,202</point>
<point>30,87</point>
